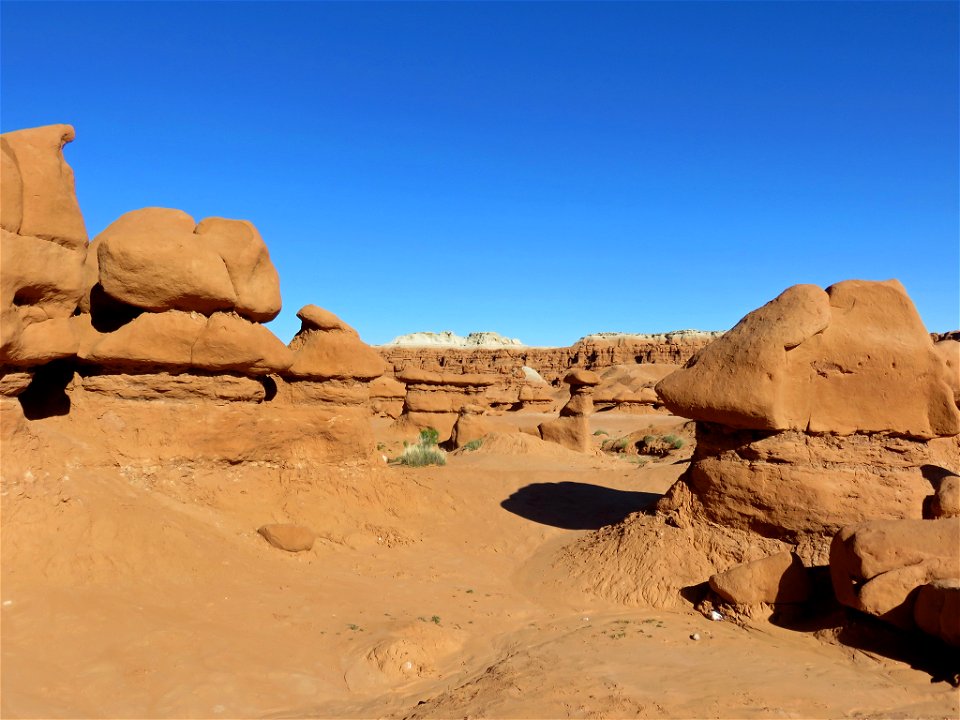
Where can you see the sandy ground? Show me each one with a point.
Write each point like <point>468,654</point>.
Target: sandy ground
<point>125,595</point>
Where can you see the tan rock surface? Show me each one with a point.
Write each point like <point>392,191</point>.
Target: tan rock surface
<point>937,610</point>
<point>822,361</point>
<point>185,386</point>
<point>878,566</point>
<point>228,342</point>
<point>471,425</point>
<point>591,353</point>
<point>779,578</point>
<point>804,488</point>
<point>38,197</point>
<point>152,259</point>
<point>949,351</point>
<point>40,279</point>
<point>326,347</point>
<point>292,538</point>
<point>148,341</point>
<point>248,263</point>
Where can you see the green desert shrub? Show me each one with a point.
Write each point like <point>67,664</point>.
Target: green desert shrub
<point>422,454</point>
<point>673,441</point>
<point>473,444</point>
<point>429,436</point>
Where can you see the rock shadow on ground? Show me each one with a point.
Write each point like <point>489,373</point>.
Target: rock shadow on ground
<point>575,505</point>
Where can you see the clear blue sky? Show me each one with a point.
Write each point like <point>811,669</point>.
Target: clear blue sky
<point>545,170</point>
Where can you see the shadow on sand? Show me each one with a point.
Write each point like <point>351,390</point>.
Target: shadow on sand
<point>576,506</point>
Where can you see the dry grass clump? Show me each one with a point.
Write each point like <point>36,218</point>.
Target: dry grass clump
<point>424,451</point>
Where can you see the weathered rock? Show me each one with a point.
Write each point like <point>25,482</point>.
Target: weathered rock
<point>572,429</point>
<point>386,396</point>
<point>41,342</point>
<point>340,393</point>
<point>38,196</point>
<point>14,381</point>
<point>40,279</point>
<point>593,352</point>
<point>255,279</point>
<point>292,538</point>
<point>152,259</point>
<point>779,578</point>
<point>878,567</point>
<point>949,351</point>
<point>230,343</point>
<point>629,388</point>
<point>945,502</point>
<point>822,362</point>
<point>571,432</point>
<point>937,610</point>
<point>151,340</point>
<point>803,488</point>
<point>471,425</point>
<point>438,401</point>
<point>578,377</point>
<point>536,398</point>
<point>326,347</point>
<point>185,386</point>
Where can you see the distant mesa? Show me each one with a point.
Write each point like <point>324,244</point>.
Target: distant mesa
<point>672,336</point>
<point>450,339</point>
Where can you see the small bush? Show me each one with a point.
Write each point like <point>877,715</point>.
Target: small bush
<point>473,444</point>
<point>620,444</point>
<point>600,432</point>
<point>673,441</point>
<point>429,436</point>
<point>649,439</point>
<point>421,454</point>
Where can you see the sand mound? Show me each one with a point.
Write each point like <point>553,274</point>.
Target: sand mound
<point>519,443</point>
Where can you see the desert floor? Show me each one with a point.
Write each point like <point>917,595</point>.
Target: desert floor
<point>148,593</point>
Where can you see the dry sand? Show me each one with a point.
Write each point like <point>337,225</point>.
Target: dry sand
<point>424,596</point>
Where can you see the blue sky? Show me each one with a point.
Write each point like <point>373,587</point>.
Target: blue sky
<point>545,170</point>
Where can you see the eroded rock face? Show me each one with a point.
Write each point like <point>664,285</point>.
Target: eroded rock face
<point>820,410</point>
<point>878,567</point>
<point>936,610</point>
<point>816,411</point>
<point>629,388</point>
<point>595,352</point>
<point>43,243</point>
<point>853,358</point>
<point>39,198</point>
<point>798,487</point>
<point>284,536</point>
<point>435,399</point>
<point>776,579</point>
<point>572,429</point>
<point>326,347</point>
<point>159,259</point>
<point>471,425</point>
<point>386,396</point>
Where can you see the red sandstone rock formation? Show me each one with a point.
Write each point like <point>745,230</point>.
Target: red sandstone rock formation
<point>43,243</point>
<point>434,399</point>
<point>170,311</point>
<point>593,352</point>
<point>572,429</point>
<point>818,411</point>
